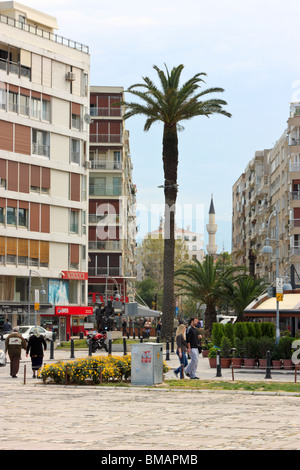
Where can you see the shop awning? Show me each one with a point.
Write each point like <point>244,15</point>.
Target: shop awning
<point>265,306</point>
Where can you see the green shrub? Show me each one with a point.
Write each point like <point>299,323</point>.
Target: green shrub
<point>267,329</point>
<point>217,334</point>
<point>228,331</point>
<point>251,347</point>
<point>226,347</point>
<point>265,344</point>
<point>240,330</point>
<point>238,347</point>
<point>285,347</point>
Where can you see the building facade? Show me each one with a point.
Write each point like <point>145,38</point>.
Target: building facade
<point>44,95</point>
<point>266,204</point>
<point>112,200</point>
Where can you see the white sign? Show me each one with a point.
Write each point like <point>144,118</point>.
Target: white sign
<point>279,285</point>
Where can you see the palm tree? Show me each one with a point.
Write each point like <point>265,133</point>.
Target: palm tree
<point>242,292</point>
<point>205,282</point>
<point>171,104</point>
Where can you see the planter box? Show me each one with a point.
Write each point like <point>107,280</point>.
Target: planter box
<point>212,362</point>
<point>205,352</point>
<point>249,363</point>
<point>225,362</point>
<point>262,363</point>
<point>276,364</point>
<point>287,364</point>
<point>236,362</point>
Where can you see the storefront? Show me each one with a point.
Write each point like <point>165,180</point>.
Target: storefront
<point>67,320</point>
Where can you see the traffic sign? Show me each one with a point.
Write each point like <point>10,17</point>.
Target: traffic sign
<point>36,306</point>
<point>279,297</point>
<point>279,285</point>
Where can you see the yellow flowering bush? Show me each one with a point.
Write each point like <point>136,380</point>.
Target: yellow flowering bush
<point>91,370</point>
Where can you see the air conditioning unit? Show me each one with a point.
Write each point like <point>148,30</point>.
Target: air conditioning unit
<point>70,76</point>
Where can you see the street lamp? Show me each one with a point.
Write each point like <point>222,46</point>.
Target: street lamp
<point>41,289</point>
<point>267,249</point>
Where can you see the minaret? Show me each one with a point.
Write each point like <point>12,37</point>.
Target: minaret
<point>211,228</point>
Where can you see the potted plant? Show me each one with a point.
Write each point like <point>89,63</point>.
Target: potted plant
<point>285,351</point>
<point>205,348</point>
<point>265,344</point>
<point>237,357</point>
<point>250,348</point>
<point>276,359</point>
<point>225,352</point>
<point>212,356</point>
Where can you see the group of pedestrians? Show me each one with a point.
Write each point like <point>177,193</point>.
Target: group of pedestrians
<point>188,341</point>
<point>14,343</point>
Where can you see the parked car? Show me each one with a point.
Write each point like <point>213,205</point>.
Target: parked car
<point>26,331</point>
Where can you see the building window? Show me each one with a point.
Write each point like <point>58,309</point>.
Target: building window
<point>46,110</point>
<point>2,98</point>
<point>74,221</point>
<point>75,151</point>
<point>11,216</point>
<point>35,108</point>
<point>24,105</point>
<point>13,101</point>
<point>40,143</point>
<point>23,217</point>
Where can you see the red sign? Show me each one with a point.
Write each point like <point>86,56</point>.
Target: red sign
<point>99,298</point>
<point>75,275</point>
<point>66,310</point>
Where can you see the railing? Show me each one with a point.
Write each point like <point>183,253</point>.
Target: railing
<point>105,245</point>
<point>106,138</point>
<point>44,34</point>
<point>101,190</point>
<point>112,112</point>
<point>294,166</point>
<point>105,165</point>
<point>102,271</point>
<point>43,150</point>
<point>108,218</point>
<point>294,141</point>
<point>295,195</point>
<point>295,223</point>
<point>15,68</point>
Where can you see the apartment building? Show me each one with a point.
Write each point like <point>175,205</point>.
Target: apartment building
<point>266,203</point>
<point>112,200</point>
<point>44,96</point>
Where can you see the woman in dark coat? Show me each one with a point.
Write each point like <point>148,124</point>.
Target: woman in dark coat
<point>36,346</point>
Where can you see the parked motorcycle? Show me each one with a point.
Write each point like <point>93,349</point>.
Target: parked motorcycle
<point>98,340</point>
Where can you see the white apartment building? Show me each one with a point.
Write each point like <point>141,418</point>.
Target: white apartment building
<point>270,184</point>
<point>44,96</point>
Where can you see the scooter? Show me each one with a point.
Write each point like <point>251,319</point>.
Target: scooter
<point>98,340</point>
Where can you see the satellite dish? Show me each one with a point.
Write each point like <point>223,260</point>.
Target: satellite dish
<point>87,119</point>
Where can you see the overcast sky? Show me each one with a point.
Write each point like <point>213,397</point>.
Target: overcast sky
<point>250,48</point>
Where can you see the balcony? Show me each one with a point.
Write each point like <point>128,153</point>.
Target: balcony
<point>111,245</point>
<point>15,68</point>
<point>294,166</point>
<point>42,150</point>
<point>106,165</point>
<point>106,138</point>
<point>103,190</point>
<point>104,271</point>
<point>106,112</point>
<point>108,219</point>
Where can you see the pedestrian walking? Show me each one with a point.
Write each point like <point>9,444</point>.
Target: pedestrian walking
<point>14,344</point>
<point>36,346</point>
<point>193,337</point>
<point>181,350</point>
<point>7,326</point>
<point>124,327</point>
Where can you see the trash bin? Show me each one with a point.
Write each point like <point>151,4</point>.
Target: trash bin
<point>146,363</point>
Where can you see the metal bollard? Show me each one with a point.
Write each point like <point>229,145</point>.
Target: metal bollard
<point>141,339</point>
<point>109,346</point>
<point>268,366</point>
<point>72,349</point>
<point>172,344</point>
<point>90,348</point>
<point>167,352</point>
<point>219,373</point>
<point>51,349</point>
<point>124,347</point>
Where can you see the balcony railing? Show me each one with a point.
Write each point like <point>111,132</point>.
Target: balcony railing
<point>295,223</point>
<point>101,190</point>
<point>15,67</point>
<point>295,195</point>
<point>44,34</point>
<point>105,138</point>
<point>103,271</point>
<point>105,245</point>
<point>105,165</point>
<point>294,166</point>
<point>43,150</point>
<point>111,112</point>
<point>108,218</point>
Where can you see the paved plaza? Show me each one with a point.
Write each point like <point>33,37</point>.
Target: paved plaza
<point>49,417</point>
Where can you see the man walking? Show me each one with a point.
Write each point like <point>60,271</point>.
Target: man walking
<point>192,338</point>
<point>14,344</point>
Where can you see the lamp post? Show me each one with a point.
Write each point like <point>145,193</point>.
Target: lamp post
<point>267,249</point>
<point>29,289</point>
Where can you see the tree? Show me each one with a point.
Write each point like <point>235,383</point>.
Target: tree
<point>205,282</point>
<point>242,292</point>
<point>170,105</point>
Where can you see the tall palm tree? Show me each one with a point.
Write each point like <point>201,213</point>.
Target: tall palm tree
<point>242,292</point>
<point>205,282</point>
<point>171,104</point>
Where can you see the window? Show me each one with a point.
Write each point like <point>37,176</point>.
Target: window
<point>35,108</point>
<point>13,101</point>
<point>40,143</point>
<point>117,160</point>
<point>46,110</point>
<point>75,151</point>
<point>11,215</point>
<point>2,98</point>
<point>2,215</point>
<point>23,217</point>
<point>74,219</point>
<point>24,105</point>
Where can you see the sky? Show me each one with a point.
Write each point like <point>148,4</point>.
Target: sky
<point>250,48</point>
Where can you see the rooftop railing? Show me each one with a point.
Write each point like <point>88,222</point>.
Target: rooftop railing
<point>43,33</point>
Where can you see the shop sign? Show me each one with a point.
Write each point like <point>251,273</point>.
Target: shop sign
<point>75,275</point>
<point>66,310</point>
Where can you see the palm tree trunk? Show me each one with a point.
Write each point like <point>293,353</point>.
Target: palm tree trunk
<point>170,163</point>
<point>210,319</point>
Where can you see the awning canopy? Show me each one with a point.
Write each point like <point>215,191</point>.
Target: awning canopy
<point>265,306</point>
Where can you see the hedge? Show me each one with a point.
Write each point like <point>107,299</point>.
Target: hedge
<point>241,330</point>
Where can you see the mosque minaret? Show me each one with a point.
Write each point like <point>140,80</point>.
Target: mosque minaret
<point>211,228</point>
